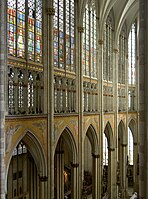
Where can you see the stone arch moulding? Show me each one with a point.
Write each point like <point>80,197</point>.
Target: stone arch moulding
<point>109,134</point>
<point>68,137</point>
<point>122,132</point>
<point>133,126</point>
<point>36,150</point>
<point>93,138</point>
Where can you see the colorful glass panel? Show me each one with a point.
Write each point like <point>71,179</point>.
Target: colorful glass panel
<point>11,27</point>
<point>38,26</point>
<point>21,28</point>
<point>89,42</point>
<point>31,22</point>
<point>64,42</point>
<point>20,16</point>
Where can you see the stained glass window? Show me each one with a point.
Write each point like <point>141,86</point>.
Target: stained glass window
<point>89,42</point>
<point>108,50</point>
<point>64,32</point>
<point>24,17</point>
<point>132,55</point>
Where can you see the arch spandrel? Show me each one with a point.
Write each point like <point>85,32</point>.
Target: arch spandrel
<point>15,130</point>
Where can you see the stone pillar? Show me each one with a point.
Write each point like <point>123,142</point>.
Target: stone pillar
<point>80,109</point>
<point>112,173</point>
<point>50,102</point>
<point>101,108</point>
<point>136,167</point>
<point>74,181</point>
<point>3,67</point>
<point>96,194</point>
<point>124,171</point>
<point>143,105</point>
<point>42,187</point>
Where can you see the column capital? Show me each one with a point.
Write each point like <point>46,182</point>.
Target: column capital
<point>100,41</point>
<point>50,11</point>
<point>80,29</point>
<point>43,178</point>
<point>74,165</point>
<point>115,50</point>
<point>95,156</point>
<point>59,152</point>
<point>111,149</point>
<point>124,145</point>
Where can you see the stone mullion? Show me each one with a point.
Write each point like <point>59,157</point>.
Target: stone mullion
<point>38,89</point>
<point>16,87</point>
<point>34,108</point>
<point>26,109</point>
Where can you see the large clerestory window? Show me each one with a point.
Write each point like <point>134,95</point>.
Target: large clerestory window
<point>25,29</point>
<point>89,41</point>
<point>64,34</point>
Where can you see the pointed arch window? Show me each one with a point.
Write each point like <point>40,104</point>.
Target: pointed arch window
<point>132,54</point>
<point>89,41</point>
<point>64,34</point>
<point>122,51</point>
<point>24,25</point>
<point>130,146</point>
<point>108,50</point>
<point>105,150</point>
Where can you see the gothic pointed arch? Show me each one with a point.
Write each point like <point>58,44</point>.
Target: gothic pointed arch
<point>26,168</point>
<point>109,134</point>
<point>36,150</point>
<point>93,138</point>
<point>122,134</point>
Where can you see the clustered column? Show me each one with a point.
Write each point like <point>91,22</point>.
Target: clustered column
<point>3,66</point>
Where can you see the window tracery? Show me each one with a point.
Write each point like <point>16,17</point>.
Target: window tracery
<point>64,34</point>
<point>89,41</point>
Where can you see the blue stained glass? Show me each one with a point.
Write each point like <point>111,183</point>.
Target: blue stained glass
<point>61,34</point>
